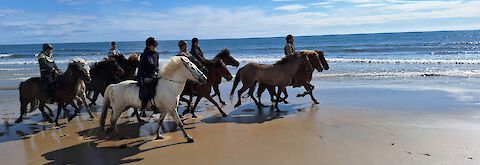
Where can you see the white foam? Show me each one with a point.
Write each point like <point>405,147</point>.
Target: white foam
<point>5,55</point>
<point>404,61</point>
<point>449,73</point>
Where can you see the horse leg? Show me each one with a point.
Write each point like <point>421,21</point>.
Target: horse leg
<point>77,110</point>
<point>160,122</point>
<point>189,102</point>
<point>113,121</point>
<point>135,113</point>
<point>250,93</point>
<point>215,103</point>
<point>94,99</point>
<point>59,108</point>
<point>179,123</point>
<point>44,114</point>
<point>240,92</point>
<point>192,111</point>
<point>217,92</point>
<point>311,93</point>
<point>286,96</point>
<point>23,112</point>
<point>279,92</point>
<point>261,88</point>
<point>84,100</point>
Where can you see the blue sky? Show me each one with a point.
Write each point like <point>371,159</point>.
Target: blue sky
<point>38,21</point>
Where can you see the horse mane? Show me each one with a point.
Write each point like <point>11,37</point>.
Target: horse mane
<point>223,52</point>
<point>134,57</point>
<point>79,60</point>
<point>100,65</point>
<point>170,67</point>
<point>286,59</point>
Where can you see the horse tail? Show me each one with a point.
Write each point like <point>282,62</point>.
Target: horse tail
<point>106,104</point>
<point>235,81</point>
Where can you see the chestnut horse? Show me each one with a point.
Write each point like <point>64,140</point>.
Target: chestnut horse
<point>216,70</point>
<point>277,74</point>
<point>301,78</point>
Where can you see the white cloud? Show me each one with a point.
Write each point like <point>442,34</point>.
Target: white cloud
<point>296,7</point>
<point>283,0</point>
<point>145,3</point>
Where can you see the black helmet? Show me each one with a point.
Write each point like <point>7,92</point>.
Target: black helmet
<point>289,37</point>
<point>151,41</point>
<point>194,40</point>
<point>47,46</point>
<point>181,43</point>
<point>113,43</point>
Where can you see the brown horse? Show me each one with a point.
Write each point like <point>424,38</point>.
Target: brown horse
<point>227,58</point>
<point>129,65</point>
<point>103,73</point>
<point>65,90</point>
<point>301,78</point>
<point>216,70</point>
<point>277,74</point>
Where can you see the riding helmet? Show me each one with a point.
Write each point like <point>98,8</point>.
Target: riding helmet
<point>47,46</point>
<point>181,43</point>
<point>151,41</point>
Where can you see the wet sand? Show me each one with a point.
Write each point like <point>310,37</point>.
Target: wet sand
<point>351,125</point>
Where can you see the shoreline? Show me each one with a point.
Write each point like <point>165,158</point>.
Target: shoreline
<point>349,126</point>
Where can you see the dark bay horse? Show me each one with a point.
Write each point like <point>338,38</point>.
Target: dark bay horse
<point>65,90</point>
<point>301,78</point>
<point>277,74</point>
<point>216,70</point>
<point>103,73</point>
<point>227,58</point>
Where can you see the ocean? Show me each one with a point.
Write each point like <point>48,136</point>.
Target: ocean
<point>354,58</point>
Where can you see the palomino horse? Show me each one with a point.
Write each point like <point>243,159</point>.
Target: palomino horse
<point>302,77</point>
<point>171,82</point>
<point>277,74</point>
<point>216,70</point>
<point>31,90</point>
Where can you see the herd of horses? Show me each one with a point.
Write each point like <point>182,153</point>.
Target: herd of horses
<point>113,78</point>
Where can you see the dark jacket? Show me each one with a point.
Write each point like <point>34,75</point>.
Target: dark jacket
<point>148,67</point>
<point>46,63</point>
<point>198,54</point>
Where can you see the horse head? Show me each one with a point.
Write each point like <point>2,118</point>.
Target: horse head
<point>314,60</point>
<point>221,69</point>
<point>304,58</point>
<point>227,58</point>
<point>80,67</point>
<point>182,65</point>
<point>321,56</point>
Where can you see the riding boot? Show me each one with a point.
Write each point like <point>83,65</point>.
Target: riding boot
<point>144,106</point>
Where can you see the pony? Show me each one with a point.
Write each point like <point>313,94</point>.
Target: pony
<point>216,70</point>
<point>171,82</point>
<point>301,78</point>
<point>227,58</point>
<point>65,90</point>
<point>278,74</point>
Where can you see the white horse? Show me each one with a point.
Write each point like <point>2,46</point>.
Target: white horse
<point>171,82</point>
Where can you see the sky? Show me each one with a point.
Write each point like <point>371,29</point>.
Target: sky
<point>66,21</point>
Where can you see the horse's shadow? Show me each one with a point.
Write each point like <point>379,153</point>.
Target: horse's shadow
<point>250,114</point>
<point>102,148</point>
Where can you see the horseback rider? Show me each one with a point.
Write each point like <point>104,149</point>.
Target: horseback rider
<point>289,48</point>
<point>48,70</point>
<point>182,45</point>
<point>196,51</point>
<point>147,71</point>
<point>114,50</point>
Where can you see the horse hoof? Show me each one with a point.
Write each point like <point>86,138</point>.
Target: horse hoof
<point>133,114</point>
<point>224,115</point>
<point>194,116</point>
<point>18,120</point>
<point>51,115</point>
<point>185,112</point>
<point>92,117</point>
<point>316,102</point>
<point>223,103</point>
<point>236,105</point>
<point>190,140</point>
<point>108,130</point>
<point>285,101</point>
<point>299,95</point>
<point>70,118</point>
<point>159,137</point>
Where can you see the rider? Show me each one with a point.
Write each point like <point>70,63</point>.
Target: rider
<point>182,44</point>
<point>196,51</point>
<point>114,50</point>
<point>289,48</point>
<point>48,69</point>
<point>147,70</point>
